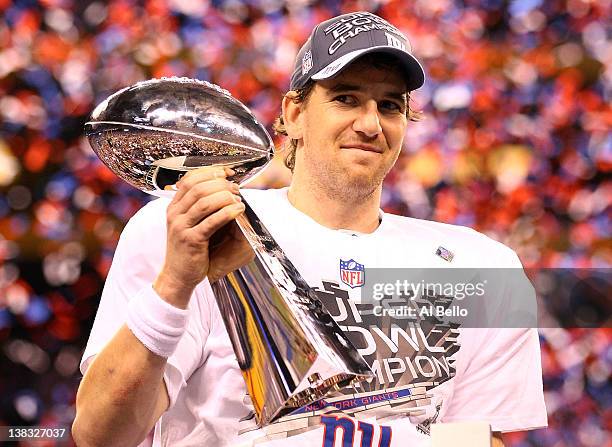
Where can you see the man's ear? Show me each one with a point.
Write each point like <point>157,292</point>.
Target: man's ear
<point>292,116</point>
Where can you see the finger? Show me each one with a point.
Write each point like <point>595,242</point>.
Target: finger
<point>210,204</point>
<point>200,190</point>
<point>220,237</point>
<point>217,220</point>
<point>199,175</point>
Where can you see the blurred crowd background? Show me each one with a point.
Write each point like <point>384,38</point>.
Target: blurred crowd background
<point>515,142</point>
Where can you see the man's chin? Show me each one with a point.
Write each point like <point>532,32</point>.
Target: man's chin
<point>362,181</point>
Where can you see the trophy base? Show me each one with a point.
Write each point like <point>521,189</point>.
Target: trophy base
<point>318,387</point>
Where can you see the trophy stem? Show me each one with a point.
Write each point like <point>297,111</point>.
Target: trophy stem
<point>289,349</point>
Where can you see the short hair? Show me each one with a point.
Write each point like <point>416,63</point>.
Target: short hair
<point>378,60</point>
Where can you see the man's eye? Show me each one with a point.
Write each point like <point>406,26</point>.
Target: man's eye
<point>345,99</point>
<point>391,106</point>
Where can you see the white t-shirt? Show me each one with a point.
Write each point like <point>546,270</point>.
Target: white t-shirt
<point>443,375</point>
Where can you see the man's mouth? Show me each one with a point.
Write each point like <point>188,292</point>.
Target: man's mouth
<point>363,147</point>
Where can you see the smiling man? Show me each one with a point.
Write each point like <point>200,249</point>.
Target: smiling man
<point>159,366</point>
<point>350,130</point>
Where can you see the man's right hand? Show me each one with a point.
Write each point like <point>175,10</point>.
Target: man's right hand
<point>123,392</point>
<point>205,202</point>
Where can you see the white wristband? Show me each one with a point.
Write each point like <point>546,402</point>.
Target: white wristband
<point>156,323</point>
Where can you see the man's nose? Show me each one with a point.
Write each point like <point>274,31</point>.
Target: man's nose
<point>368,121</point>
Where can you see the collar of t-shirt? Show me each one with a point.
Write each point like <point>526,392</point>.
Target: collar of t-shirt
<point>306,217</point>
<point>357,233</point>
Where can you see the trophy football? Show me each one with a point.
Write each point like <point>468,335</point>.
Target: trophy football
<point>289,349</point>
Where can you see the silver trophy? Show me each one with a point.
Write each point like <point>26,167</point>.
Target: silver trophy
<point>291,352</point>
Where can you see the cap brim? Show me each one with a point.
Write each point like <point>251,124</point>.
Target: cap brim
<point>415,73</point>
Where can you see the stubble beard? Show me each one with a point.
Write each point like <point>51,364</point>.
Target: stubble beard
<point>335,183</point>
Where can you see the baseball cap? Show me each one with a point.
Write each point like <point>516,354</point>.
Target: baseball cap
<point>337,42</point>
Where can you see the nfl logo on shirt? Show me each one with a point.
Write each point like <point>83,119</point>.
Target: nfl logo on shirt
<point>352,273</point>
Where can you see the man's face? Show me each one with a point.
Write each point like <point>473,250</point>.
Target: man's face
<point>352,129</point>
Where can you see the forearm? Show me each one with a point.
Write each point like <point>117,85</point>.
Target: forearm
<point>121,395</point>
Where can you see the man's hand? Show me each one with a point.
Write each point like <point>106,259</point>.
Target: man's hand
<point>229,250</point>
<point>205,203</point>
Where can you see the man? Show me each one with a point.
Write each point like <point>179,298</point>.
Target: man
<point>159,367</point>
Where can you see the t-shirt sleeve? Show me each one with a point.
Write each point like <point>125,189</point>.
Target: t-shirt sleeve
<point>499,373</point>
<point>137,261</point>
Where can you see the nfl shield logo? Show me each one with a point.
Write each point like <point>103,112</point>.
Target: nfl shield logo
<point>307,62</point>
<point>352,273</point>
